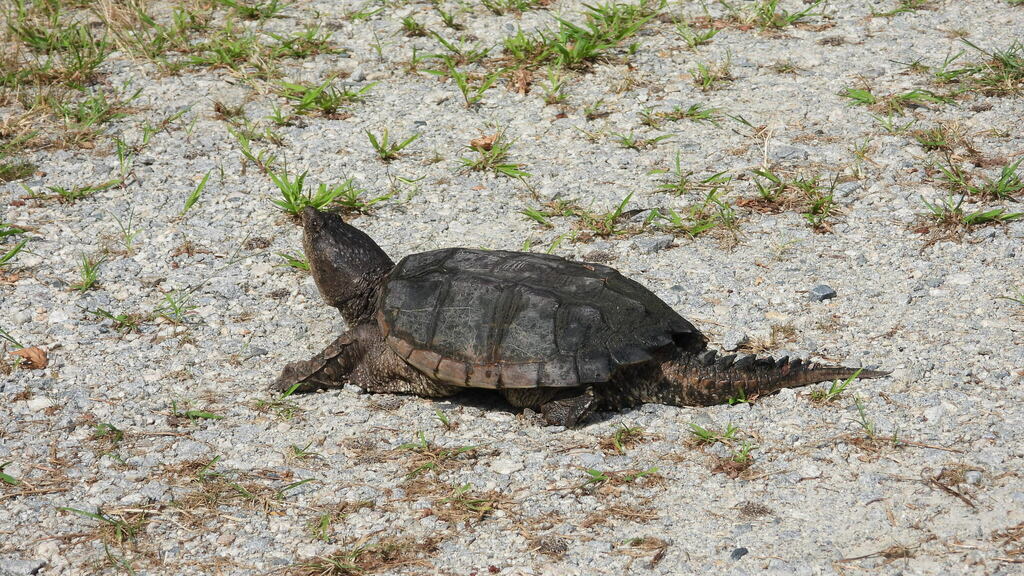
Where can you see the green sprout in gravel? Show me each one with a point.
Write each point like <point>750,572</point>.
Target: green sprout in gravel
<point>1001,74</point>
<point>695,113</point>
<point>554,90</point>
<point>821,201</point>
<point>501,7</point>
<point>492,155</point>
<point>262,159</point>
<point>893,126</point>
<point>428,457</point>
<point>195,195</point>
<point>472,87</point>
<point>902,7</point>
<point>294,196</point>
<point>637,143</point>
<point>623,438</point>
<point>951,213</point>
<point>835,390</point>
<point>254,10</point>
<point>741,455</point>
<point>594,110</point>
<point>297,261</point>
<point>124,323</point>
<point>177,307</point>
<point>413,28</point>
<point>712,212</point>
<point>7,478</point>
<point>281,405</point>
<point>710,436</point>
<point>129,232</point>
<point>123,529</point>
<point>1018,297</point>
<point>459,53</point>
<point>235,48</point>
<point>310,42</point>
<point>388,150</point>
<point>88,271</point>
<point>767,14</point>
<point>695,38</point>
<point>577,46</point>
<point>193,414</point>
<point>7,255</point>
<point>710,76</point>
<point>70,195</point>
<point>678,181</point>
<point>860,96</point>
<point>324,98</point>
<point>12,169</point>
<point>1006,186</point>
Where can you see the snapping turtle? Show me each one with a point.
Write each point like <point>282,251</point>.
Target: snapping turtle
<point>558,336</point>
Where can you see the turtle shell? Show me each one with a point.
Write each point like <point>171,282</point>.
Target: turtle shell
<point>497,319</point>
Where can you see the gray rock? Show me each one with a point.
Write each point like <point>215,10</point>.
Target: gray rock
<point>785,153</point>
<point>18,567</point>
<point>652,244</point>
<point>733,340</point>
<point>821,292</point>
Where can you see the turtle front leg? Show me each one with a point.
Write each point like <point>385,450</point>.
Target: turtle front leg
<point>327,369</point>
<point>337,364</point>
<point>360,357</point>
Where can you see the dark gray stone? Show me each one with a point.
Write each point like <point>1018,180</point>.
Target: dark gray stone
<point>822,292</point>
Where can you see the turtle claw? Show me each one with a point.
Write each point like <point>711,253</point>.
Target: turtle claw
<point>570,411</point>
<point>296,373</point>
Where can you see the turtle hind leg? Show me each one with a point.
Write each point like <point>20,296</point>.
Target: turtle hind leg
<point>565,407</point>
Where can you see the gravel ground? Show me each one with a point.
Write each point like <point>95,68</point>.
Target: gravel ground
<point>149,443</point>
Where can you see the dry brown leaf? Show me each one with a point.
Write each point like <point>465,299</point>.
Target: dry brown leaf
<point>521,80</point>
<point>484,142</point>
<point>35,358</point>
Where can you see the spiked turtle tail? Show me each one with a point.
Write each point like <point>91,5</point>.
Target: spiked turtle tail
<point>708,378</point>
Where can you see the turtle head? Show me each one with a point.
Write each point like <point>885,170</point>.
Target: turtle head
<point>346,263</point>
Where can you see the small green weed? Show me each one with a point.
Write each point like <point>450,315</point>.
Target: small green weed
<point>679,182</point>
<point>294,197</point>
<point>176,307</point>
<point>196,193</point>
<point>903,7</point>
<point>254,10</point>
<point>767,14</point>
<point>297,261</point>
<point>637,143</point>
<point>710,436</point>
<point>835,390</point>
<point>388,150</point>
<point>124,323</point>
<point>951,212</point>
<point>88,271</point>
<point>492,155</point>
<point>710,213</point>
<point>7,478</point>
<point>119,529</point>
<point>709,76</point>
<point>695,38</point>
<point>70,195</point>
<point>192,415</point>
<point>324,98</point>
